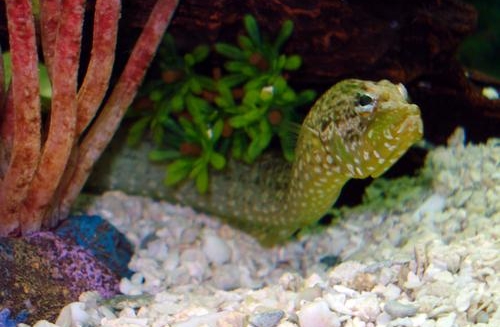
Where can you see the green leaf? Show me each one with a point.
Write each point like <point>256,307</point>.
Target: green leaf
<point>293,62</point>
<point>257,83</point>
<point>163,155</point>
<point>200,164</point>
<point>206,82</point>
<point>158,132</point>
<point>240,67</point>
<point>189,60</point>
<point>280,84</point>
<point>217,161</point>
<point>265,133</point>
<point>288,150</point>
<point>195,86</point>
<point>250,71</point>
<point>202,181</point>
<point>189,128</point>
<point>178,171</point>
<point>238,146</point>
<point>233,80</point>
<point>200,53</point>
<point>156,95</point>
<point>251,97</point>
<point>177,103</point>
<point>217,129</point>
<point>245,119</point>
<point>137,130</point>
<point>306,96</point>
<point>289,95</point>
<point>195,106</point>
<point>284,34</point>
<point>280,64</point>
<point>246,44</point>
<point>252,29</point>
<point>254,150</point>
<point>230,51</point>
<point>223,102</point>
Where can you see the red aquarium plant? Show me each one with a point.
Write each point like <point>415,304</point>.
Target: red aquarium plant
<point>44,164</point>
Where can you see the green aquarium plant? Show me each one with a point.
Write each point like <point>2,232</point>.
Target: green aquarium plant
<point>211,117</point>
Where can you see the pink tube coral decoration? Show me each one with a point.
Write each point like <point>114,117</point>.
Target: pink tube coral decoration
<point>42,170</point>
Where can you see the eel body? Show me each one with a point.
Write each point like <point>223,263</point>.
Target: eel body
<point>354,130</point>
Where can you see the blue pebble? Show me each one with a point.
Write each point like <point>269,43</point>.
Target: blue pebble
<point>103,240</point>
<point>7,321</point>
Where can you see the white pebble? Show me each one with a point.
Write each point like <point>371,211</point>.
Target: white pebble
<point>463,300</point>
<point>355,322</point>
<point>317,314</point>
<point>195,262</point>
<point>172,261</point>
<point>400,310</point>
<point>313,280</point>
<point>129,288</point>
<point>336,302</point>
<point>446,321</point>
<point>137,279</point>
<point>266,319</point>
<point>383,319</point>
<point>401,322</point>
<point>124,322</point>
<point>209,319</point>
<point>44,323</point>
<point>72,314</point>
<point>365,307</point>
<point>391,292</point>
<point>216,249</point>
<point>345,271</point>
<point>287,324</point>
<point>412,281</point>
<point>434,203</point>
<point>345,290</point>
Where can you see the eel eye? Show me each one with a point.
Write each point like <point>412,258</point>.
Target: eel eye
<point>364,104</point>
<point>365,99</point>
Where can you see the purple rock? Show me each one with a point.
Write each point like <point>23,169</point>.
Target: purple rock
<point>75,266</point>
<point>103,240</point>
<point>43,272</point>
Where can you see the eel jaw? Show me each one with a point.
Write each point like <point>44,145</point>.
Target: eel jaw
<point>413,127</point>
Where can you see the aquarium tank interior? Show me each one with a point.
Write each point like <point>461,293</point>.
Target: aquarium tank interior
<point>249,164</point>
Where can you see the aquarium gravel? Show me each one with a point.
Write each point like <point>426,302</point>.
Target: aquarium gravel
<point>434,262</point>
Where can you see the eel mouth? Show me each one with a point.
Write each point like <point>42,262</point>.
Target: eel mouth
<point>411,130</point>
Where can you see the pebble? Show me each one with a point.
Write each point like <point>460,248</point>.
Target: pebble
<point>366,306</point>
<point>266,319</point>
<point>316,314</point>
<point>44,323</point>
<point>446,321</point>
<point>226,277</point>
<point>400,310</point>
<point>216,249</point>
<point>72,315</point>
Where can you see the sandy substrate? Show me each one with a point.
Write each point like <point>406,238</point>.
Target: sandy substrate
<point>432,262</point>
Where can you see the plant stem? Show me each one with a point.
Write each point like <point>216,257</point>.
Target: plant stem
<point>101,132</point>
<point>61,134</point>
<point>50,11</point>
<point>95,84</point>
<point>25,151</point>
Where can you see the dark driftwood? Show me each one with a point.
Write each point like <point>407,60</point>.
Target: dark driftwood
<point>413,42</point>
